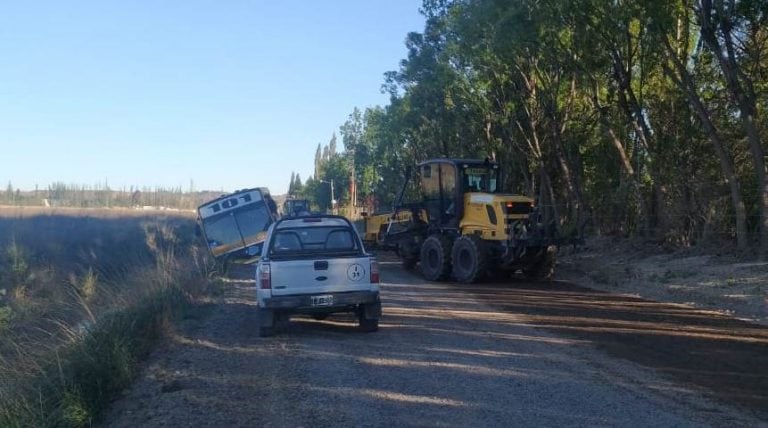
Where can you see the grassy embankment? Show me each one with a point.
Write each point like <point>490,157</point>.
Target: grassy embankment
<point>84,294</point>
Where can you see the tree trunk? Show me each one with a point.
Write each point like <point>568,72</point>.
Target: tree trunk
<point>558,124</point>
<point>744,99</point>
<point>634,112</point>
<point>641,205</point>
<point>549,210</point>
<point>625,163</point>
<point>685,82</point>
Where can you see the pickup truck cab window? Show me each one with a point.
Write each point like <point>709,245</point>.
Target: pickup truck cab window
<point>314,241</point>
<point>308,238</point>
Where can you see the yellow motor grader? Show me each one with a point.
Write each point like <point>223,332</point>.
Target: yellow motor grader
<point>464,227</point>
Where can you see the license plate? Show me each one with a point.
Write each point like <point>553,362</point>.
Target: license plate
<point>324,300</point>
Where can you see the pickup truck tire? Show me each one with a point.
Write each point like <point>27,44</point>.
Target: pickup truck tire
<point>368,325</point>
<point>368,317</point>
<point>266,322</point>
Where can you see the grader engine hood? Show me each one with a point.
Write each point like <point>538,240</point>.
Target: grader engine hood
<point>492,215</point>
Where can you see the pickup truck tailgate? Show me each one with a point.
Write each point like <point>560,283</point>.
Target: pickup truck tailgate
<point>320,275</point>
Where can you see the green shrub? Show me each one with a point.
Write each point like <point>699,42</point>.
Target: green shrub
<point>17,259</point>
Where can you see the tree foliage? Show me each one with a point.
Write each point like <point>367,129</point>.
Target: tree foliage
<point>633,118</point>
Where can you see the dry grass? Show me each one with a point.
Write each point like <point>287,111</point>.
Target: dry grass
<point>83,295</point>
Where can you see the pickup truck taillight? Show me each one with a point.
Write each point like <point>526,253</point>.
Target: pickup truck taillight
<point>374,271</point>
<point>265,277</point>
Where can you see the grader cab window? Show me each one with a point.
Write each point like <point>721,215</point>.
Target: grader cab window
<point>430,182</point>
<point>448,179</point>
<point>480,179</point>
<point>439,187</point>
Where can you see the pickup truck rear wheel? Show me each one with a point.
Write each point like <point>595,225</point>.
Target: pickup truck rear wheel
<point>368,325</point>
<point>267,322</point>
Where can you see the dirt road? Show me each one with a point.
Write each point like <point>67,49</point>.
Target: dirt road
<point>449,355</point>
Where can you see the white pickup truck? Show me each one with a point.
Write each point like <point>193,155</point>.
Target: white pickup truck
<point>316,265</point>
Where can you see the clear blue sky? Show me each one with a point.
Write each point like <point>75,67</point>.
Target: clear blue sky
<point>228,93</point>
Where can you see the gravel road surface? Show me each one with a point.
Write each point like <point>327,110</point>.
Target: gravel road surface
<point>516,354</point>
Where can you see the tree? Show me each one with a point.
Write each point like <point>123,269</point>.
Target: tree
<point>9,193</point>
<point>291,184</point>
<point>633,117</point>
<point>332,146</point>
<point>722,24</point>
<point>318,159</point>
<point>296,184</point>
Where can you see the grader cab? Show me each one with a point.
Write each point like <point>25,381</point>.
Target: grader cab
<point>466,228</point>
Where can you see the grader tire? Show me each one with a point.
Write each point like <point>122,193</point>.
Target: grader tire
<point>544,268</point>
<point>469,259</point>
<point>435,258</point>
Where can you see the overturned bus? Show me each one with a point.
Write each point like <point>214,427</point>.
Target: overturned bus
<point>234,226</point>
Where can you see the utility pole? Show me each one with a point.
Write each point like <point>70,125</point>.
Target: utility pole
<point>333,199</point>
<point>352,180</point>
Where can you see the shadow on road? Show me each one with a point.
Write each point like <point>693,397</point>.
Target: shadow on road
<point>449,355</point>
<point>703,348</point>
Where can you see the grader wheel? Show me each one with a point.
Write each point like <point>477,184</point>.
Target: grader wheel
<point>435,258</point>
<point>470,259</point>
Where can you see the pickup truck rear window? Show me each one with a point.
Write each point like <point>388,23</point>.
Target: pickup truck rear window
<point>314,241</point>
